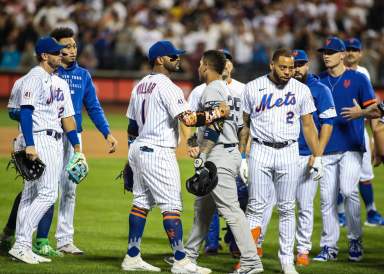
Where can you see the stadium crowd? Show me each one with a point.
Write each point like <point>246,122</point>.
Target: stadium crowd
<point>116,34</point>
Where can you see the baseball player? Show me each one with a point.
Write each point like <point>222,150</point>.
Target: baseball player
<point>343,155</point>
<point>155,109</point>
<point>82,93</point>
<point>218,144</point>
<point>274,105</point>
<point>45,109</point>
<point>352,58</point>
<point>235,88</point>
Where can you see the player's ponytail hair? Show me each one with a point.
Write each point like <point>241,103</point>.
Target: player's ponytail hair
<point>215,59</point>
<point>62,32</point>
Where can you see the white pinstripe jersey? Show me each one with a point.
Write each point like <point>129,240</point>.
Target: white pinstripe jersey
<point>275,112</point>
<point>217,91</point>
<point>50,97</point>
<point>14,98</point>
<point>235,88</point>
<point>155,103</point>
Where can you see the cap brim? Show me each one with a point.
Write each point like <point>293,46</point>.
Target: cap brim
<point>324,49</point>
<point>300,60</point>
<point>180,52</point>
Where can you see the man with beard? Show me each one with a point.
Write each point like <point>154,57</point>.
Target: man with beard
<point>155,109</point>
<point>274,105</point>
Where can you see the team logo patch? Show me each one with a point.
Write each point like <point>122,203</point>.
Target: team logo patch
<point>347,83</point>
<point>27,94</point>
<point>180,101</point>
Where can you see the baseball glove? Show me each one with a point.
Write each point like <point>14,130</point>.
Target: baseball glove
<point>77,168</point>
<point>127,175</point>
<point>26,168</point>
<point>204,180</point>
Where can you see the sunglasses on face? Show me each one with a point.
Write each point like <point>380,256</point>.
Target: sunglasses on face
<point>329,52</point>
<point>300,64</point>
<point>353,49</point>
<point>173,58</point>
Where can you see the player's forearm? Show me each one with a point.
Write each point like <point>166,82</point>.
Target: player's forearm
<point>372,112</point>
<point>243,138</point>
<point>325,134</point>
<point>311,135</point>
<point>378,135</point>
<point>203,118</point>
<point>70,128</point>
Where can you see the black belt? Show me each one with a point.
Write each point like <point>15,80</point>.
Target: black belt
<point>54,134</point>
<point>274,145</point>
<point>146,149</point>
<point>229,145</point>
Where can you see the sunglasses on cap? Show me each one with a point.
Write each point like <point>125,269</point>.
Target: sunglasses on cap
<point>329,52</point>
<point>299,64</point>
<point>173,58</point>
<point>353,49</point>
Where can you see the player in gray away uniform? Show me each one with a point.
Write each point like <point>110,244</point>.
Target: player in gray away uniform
<point>218,144</point>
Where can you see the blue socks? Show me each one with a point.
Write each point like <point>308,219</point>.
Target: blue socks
<point>45,224</point>
<point>212,239</point>
<point>174,229</point>
<point>366,192</point>
<point>137,219</point>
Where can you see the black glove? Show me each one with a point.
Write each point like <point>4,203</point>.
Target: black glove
<point>127,175</point>
<point>28,169</point>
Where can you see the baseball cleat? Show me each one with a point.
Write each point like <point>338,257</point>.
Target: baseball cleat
<point>342,219</point>
<point>137,264</point>
<point>374,219</point>
<point>169,260</point>
<point>302,259</point>
<point>289,269</point>
<point>70,249</point>
<point>249,271</point>
<point>355,250</point>
<point>186,266</point>
<point>23,254</point>
<point>41,259</point>
<point>326,254</point>
<point>212,249</point>
<point>42,247</point>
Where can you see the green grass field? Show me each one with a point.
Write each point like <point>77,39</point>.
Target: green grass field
<point>102,223</point>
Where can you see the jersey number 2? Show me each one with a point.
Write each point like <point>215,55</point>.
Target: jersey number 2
<point>290,115</point>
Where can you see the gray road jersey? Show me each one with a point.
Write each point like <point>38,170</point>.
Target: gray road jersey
<point>216,92</point>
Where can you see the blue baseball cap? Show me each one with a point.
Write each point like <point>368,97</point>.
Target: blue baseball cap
<point>353,43</point>
<point>227,54</point>
<point>163,48</point>
<point>300,55</point>
<point>333,43</point>
<point>47,44</point>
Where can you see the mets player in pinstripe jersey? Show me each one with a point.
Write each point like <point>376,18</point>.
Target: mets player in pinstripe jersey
<point>274,105</point>
<point>344,152</point>
<point>45,110</point>
<point>156,107</point>
<point>219,144</point>
<point>235,88</point>
<point>82,93</point>
<point>374,218</point>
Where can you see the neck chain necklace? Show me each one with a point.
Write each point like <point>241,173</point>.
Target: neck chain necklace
<point>337,81</point>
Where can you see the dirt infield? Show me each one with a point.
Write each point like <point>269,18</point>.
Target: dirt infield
<point>93,142</point>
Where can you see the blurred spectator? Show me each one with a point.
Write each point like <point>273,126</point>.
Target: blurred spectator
<point>116,34</point>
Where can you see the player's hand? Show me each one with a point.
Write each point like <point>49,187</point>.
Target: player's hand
<point>112,142</point>
<point>224,109</point>
<point>31,153</point>
<point>351,113</point>
<point>316,167</point>
<point>193,152</point>
<point>244,171</point>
